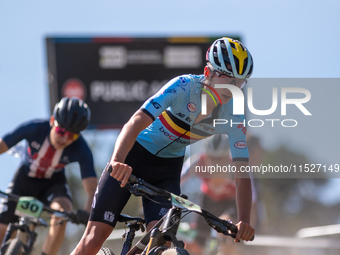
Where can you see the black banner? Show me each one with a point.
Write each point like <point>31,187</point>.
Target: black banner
<point>115,75</point>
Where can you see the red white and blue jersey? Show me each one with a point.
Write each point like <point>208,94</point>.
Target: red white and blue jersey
<point>41,159</point>
<point>175,108</point>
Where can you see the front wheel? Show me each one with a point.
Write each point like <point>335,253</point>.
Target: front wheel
<point>105,251</point>
<point>16,247</point>
<point>175,251</point>
<point>158,250</point>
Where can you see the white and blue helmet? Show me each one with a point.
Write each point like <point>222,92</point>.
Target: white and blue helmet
<point>230,57</point>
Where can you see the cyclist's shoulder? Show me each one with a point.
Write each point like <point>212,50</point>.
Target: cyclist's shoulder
<point>79,148</point>
<point>32,127</point>
<point>38,123</point>
<point>186,81</point>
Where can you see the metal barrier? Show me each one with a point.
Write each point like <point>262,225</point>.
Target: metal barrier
<point>306,241</point>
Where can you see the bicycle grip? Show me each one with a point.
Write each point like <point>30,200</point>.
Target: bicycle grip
<point>108,167</point>
<point>234,229</point>
<point>132,178</point>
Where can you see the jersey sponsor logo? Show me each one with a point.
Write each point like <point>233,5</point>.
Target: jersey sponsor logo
<point>206,128</point>
<point>240,145</point>
<point>191,107</point>
<point>35,145</point>
<point>181,115</point>
<point>155,104</point>
<point>109,216</point>
<point>173,137</point>
<point>243,128</point>
<point>182,83</point>
<point>66,159</point>
<point>169,91</point>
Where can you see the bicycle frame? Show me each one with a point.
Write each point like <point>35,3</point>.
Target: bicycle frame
<point>166,228</point>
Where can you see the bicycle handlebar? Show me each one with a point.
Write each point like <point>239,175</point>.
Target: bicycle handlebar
<point>80,217</point>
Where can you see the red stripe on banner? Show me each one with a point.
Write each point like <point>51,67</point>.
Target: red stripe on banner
<point>114,40</point>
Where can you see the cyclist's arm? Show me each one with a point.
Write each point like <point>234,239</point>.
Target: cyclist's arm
<point>89,185</point>
<point>127,137</point>
<point>243,202</point>
<point>3,146</point>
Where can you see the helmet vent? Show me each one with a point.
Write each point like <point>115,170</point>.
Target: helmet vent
<point>237,63</point>
<point>216,57</point>
<point>232,45</point>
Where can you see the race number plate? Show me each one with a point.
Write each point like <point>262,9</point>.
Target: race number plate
<point>185,204</point>
<point>29,207</point>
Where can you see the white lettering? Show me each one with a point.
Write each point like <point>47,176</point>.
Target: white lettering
<point>298,102</point>
<point>123,91</point>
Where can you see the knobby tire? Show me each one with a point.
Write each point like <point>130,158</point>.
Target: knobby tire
<point>105,251</point>
<point>15,248</point>
<point>175,251</point>
<point>157,250</point>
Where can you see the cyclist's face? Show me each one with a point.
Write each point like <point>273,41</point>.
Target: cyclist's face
<point>219,78</point>
<point>58,138</point>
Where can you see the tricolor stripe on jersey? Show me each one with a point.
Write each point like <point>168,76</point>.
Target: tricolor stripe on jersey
<point>180,128</point>
<point>45,162</point>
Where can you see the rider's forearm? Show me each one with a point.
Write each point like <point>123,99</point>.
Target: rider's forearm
<point>3,146</point>
<point>127,137</point>
<point>243,195</point>
<point>90,185</point>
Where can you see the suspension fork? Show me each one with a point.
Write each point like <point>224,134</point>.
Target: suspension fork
<point>167,231</point>
<point>11,228</point>
<point>130,237</point>
<point>25,233</point>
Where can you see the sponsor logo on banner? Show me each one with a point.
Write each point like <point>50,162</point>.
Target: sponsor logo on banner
<point>74,88</point>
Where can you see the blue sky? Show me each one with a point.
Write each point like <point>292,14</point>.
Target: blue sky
<point>288,39</point>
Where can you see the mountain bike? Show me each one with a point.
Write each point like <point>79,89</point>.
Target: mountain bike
<point>21,236</point>
<point>165,230</point>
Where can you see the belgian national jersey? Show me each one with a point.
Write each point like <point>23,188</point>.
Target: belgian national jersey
<point>175,108</point>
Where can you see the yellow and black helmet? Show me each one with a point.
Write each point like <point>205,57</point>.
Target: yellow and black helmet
<point>231,57</point>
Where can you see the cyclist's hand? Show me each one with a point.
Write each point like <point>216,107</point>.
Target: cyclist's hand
<point>245,231</point>
<point>82,217</point>
<point>121,172</point>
